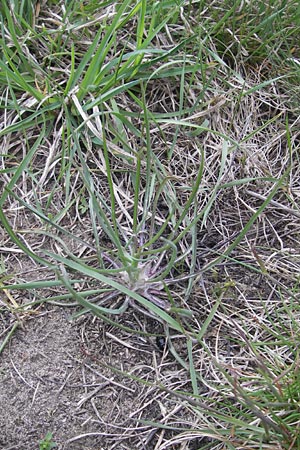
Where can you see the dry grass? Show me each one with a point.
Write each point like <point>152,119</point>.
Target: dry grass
<point>222,280</point>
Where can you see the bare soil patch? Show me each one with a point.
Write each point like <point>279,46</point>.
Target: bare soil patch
<point>54,379</point>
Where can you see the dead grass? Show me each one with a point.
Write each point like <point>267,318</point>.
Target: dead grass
<point>227,377</point>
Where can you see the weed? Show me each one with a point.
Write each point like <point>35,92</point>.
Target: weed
<point>47,443</point>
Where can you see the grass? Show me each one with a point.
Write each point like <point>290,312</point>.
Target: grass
<point>150,166</point>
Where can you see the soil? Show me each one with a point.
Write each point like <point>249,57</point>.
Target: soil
<point>47,387</point>
<point>55,379</point>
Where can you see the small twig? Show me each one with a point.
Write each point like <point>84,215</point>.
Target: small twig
<point>273,202</point>
<point>91,394</point>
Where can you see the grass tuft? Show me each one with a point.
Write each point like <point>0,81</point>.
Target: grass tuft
<point>149,174</point>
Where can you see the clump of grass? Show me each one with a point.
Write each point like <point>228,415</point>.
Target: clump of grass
<point>133,135</point>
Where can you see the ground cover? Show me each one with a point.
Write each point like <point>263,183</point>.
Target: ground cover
<point>149,204</point>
